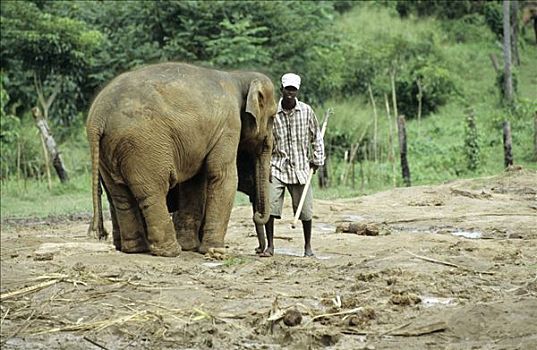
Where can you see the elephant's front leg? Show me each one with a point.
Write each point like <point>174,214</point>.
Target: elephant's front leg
<point>221,189</point>
<point>190,210</point>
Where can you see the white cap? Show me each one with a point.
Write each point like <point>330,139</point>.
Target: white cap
<point>291,79</point>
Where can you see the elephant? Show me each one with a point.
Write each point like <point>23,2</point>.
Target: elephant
<point>166,136</point>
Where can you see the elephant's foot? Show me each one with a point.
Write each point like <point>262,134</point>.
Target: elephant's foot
<point>132,246</point>
<point>188,243</point>
<point>117,240</point>
<point>172,249</point>
<point>206,246</point>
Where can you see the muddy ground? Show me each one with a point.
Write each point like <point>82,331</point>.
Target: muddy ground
<point>452,266</point>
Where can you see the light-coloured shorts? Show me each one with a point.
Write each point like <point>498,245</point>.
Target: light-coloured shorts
<point>277,193</point>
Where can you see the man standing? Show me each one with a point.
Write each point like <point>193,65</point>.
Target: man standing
<point>298,147</point>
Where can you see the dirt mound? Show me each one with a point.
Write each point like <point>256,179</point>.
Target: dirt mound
<point>450,266</point>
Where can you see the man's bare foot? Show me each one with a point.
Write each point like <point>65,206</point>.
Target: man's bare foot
<point>308,252</point>
<point>259,249</point>
<point>267,253</point>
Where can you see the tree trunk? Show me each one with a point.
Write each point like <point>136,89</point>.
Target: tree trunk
<point>535,137</point>
<point>403,150</point>
<point>50,145</point>
<point>420,100</point>
<point>514,31</point>
<point>391,147</point>
<point>375,140</point>
<point>507,144</point>
<point>508,79</point>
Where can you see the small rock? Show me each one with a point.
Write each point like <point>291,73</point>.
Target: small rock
<point>43,256</point>
<point>292,317</point>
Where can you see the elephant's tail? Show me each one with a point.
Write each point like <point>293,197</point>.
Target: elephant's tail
<point>96,227</point>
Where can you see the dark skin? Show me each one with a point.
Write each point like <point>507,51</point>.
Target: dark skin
<point>289,95</point>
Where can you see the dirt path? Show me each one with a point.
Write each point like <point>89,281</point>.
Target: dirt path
<point>452,267</point>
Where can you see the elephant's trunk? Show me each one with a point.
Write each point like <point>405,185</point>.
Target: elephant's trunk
<point>262,174</point>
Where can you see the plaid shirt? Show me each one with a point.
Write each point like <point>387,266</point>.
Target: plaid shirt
<point>294,133</point>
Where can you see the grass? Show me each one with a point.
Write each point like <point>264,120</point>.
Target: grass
<point>33,198</point>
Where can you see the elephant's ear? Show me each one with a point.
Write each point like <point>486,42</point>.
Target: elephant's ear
<point>255,101</point>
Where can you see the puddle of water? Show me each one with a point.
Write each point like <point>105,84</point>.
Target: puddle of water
<point>323,257</point>
<point>433,301</point>
<point>326,228</point>
<point>352,217</point>
<point>212,264</point>
<point>467,234</point>
<point>288,251</point>
<point>294,252</point>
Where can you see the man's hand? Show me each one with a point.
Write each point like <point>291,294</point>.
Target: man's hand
<point>314,167</point>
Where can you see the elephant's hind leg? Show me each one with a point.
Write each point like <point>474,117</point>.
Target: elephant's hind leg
<point>160,231</point>
<point>127,218</point>
<point>115,225</point>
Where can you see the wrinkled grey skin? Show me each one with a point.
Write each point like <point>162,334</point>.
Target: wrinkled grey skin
<point>167,135</point>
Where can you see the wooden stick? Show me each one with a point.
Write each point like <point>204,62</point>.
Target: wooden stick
<point>95,343</point>
<point>345,312</point>
<point>450,264</point>
<point>433,260</point>
<point>422,330</point>
<point>30,289</point>
<point>308,181</point>
<point>394,329</point>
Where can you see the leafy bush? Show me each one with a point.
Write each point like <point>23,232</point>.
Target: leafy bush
<point>444,9</point>
<point>436,86</point>
<point>469,28</point>
<point>493,13</point>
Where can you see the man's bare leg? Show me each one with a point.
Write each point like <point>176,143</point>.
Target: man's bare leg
<point>306,225</point>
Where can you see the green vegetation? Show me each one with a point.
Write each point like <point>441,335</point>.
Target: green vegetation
<point>435,55</point>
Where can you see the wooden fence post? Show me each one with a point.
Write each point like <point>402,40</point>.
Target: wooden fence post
<point>507,144</point>
<point>402,149</point>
